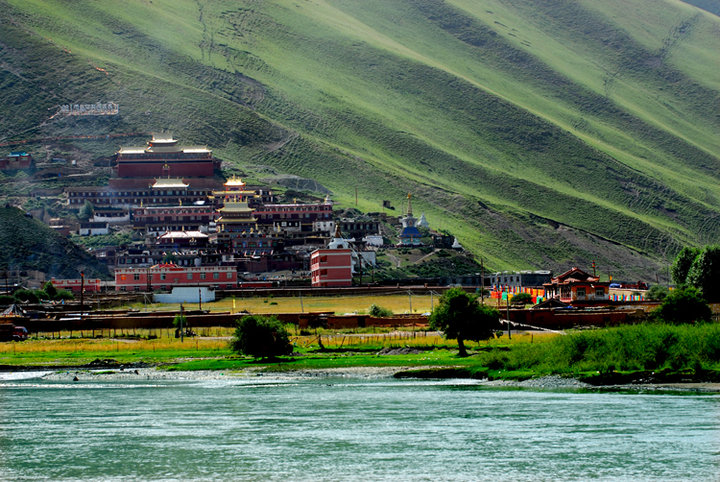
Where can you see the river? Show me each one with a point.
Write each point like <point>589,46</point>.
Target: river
<point>349,428</point>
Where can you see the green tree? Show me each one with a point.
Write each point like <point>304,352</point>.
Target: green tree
<point>681,266</point>
<point>684,305</point>
<point>26,295</point>
<point>86,211</point>
<point>656,293</point>
<point>521,299</point>
<point>50,289</point>
<point>261,337</point>
<point>460,316</point>
<point>704,273</point>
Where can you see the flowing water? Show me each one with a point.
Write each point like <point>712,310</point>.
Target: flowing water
<point>311,428</point>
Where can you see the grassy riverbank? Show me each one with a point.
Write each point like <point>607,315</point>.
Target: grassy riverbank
<point>638,353</point>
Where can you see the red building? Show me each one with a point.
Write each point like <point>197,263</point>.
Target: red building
<point>577,285</point>
<point>16,160</point>
<point>331,267</point>
<point>74,285</point>
<point>162,157</point>
<point>165,276</point>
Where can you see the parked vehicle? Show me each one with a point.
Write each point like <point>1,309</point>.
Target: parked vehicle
<point>20,333</point>
<point>10,332</point>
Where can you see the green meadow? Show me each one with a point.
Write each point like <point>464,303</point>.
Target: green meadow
<point>543,135</point>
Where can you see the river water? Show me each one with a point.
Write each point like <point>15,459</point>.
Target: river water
<point>339,428</point>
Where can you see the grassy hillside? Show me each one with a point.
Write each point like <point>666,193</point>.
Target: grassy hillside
<point>29,244</point>
<point>543,134</point>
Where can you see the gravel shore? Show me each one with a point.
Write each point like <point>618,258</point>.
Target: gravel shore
<point>154,374</point>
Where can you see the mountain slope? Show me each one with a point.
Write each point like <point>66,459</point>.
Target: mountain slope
<point>543,133</point>
<point>28,244</point>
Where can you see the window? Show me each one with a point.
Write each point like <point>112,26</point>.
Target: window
<point>202,275</point>
<point>216,275</point>
<point>599,292</point>
<point>162,276</point>
<point>581,293</point>
<point>136,276</point>
<point>189,276</point>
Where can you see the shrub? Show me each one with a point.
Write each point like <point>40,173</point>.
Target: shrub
<point>684,305</point>
<point>261,337</point>
<point>64,295</point>
<point>521,299</point>
<point>379,311</point>
<point>656,293</point>
<point>28,296</point>
<point>7,299</point>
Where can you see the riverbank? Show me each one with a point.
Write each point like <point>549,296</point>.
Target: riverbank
<point>154,374</point>
<point>628,355</point>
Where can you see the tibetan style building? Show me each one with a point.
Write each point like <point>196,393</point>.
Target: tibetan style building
<point>163,157</point>
<point>576,285</point>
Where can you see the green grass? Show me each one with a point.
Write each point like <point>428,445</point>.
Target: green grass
<point>541,134</point>
<point>657,352</point>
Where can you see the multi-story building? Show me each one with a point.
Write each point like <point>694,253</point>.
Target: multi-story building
<point>155,220</point>
<point>16,160</point>
<point>332,266</point>
<point>359,228</point>
<point>165,276</point>
<point>163,157</point>
<point>301,218</point>
<point>520,279</point>
<point>128,193</point>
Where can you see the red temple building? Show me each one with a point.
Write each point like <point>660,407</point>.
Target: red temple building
<point>163,157</point>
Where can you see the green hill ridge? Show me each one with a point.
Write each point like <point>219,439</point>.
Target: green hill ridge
<point>28,244</point>
<point>543,134</point>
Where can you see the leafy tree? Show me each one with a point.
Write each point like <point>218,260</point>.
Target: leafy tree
<point>656,293</point>
<point>261,337</point>
<point>460,316</point>
<point>86,211</point>
<point>26,295</point>
<point>704,273</point>
<point>684,305</point>
<point>50,289</point>
<point>379,311</point>
<point>522,299</point>
<point>681,266</point>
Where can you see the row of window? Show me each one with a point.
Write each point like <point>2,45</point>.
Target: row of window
<point>189,276</point>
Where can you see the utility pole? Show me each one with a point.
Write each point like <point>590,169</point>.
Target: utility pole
<point>482,281</point>
<point>82,292</point>
<point>181,324</point>
<point>507,314</point>
<point>410,298</point>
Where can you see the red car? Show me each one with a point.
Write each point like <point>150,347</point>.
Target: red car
<point>20,333</point>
